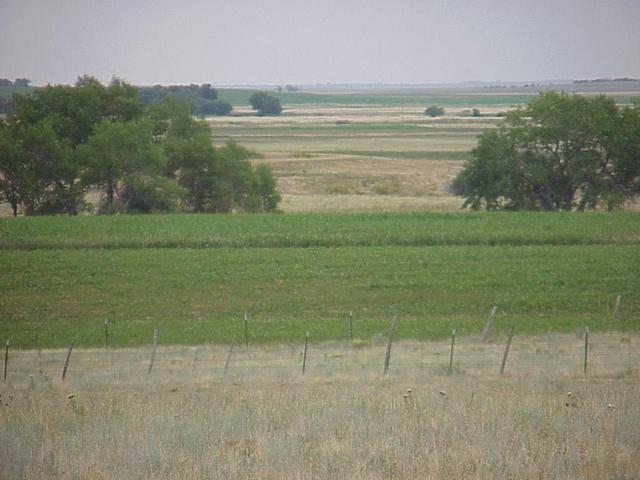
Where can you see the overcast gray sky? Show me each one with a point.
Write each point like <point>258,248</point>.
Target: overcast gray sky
<point>313,41</point>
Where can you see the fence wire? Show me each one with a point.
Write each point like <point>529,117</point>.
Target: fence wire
<point>560,356</point>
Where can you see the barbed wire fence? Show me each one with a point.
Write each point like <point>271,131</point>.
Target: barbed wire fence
<point>588,355</point>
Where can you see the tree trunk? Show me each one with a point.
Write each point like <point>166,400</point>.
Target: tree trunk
<point>14,209</point>
<point>568,199</point>
<point>110,190</point>
<point>546,202</point>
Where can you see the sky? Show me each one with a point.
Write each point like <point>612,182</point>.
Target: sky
<point>244,42</point>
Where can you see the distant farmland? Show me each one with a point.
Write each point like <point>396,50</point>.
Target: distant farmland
<point>375,150</point>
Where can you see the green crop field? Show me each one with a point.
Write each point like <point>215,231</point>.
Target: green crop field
<point>319,230</point>
<point>62,277</point>
<point>240,97</point>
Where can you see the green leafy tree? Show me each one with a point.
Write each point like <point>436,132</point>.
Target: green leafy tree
<point>76,110</point>
<point>434,111</point>
<point>216,107</point>
<point>265,104</point>
<point>37,169</point>
<point>150,194</point>
<point>6,105</point>
<point>215,180</point>
<point>208,92</point>
<point>118,151</point>
<point>16,174</point>
<point>187,142</point>
<point>558,153</point>
<point>62,141</point>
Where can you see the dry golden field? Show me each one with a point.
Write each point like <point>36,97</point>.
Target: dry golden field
<point>360,158</point>
<point>342,420</point>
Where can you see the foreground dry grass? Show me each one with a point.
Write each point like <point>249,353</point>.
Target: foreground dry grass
<point>343,419</point>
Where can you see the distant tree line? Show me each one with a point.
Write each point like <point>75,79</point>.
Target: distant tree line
<point>605,80</point>
<point>18,82</point>
<point>560,152</point>
<point>202,99</point>
<point>62,141</point>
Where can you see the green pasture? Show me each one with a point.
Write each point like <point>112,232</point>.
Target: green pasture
<point>239,97</point>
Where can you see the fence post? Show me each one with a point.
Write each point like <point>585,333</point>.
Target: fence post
<point>617,307</point>
<point>153,350</point>
<point>246,331</point>
<point>506,351</point>
<point>586,348</point>
<point>66,362</point>
<point>387,353</point>
<point>453,342</point>
<point>304,354</point>
<point>486,331</point>
<point>226,362</point>
<point>6,359</point>
<point>106,334</point>
<point>350,328</point>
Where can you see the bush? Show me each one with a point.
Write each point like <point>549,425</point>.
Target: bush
<point>265,104</point>
<point>150,194</point>
<point>434,111</point>
<point>266,188</point>
<point>215,107</point>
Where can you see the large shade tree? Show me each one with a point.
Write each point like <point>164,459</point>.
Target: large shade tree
<point>560,152</point>
<point>63,141</point>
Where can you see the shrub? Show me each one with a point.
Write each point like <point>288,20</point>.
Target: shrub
<point>265,104</point>
<point>434,111</point>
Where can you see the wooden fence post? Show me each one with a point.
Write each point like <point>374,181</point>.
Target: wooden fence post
<point>304,354</point>
<point>617,307</point>
<point>453,342</point>
<point>586,348</point>
<point>486,331</point>
<point>106,334</point>
<point>350,328</point>
<point>153,350</point>
<point>506,351</point>
<point>387,353</point>
<point>66,362</point>
<point>246,331</point>
<point>6,359</point>
<point>226,362</point>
